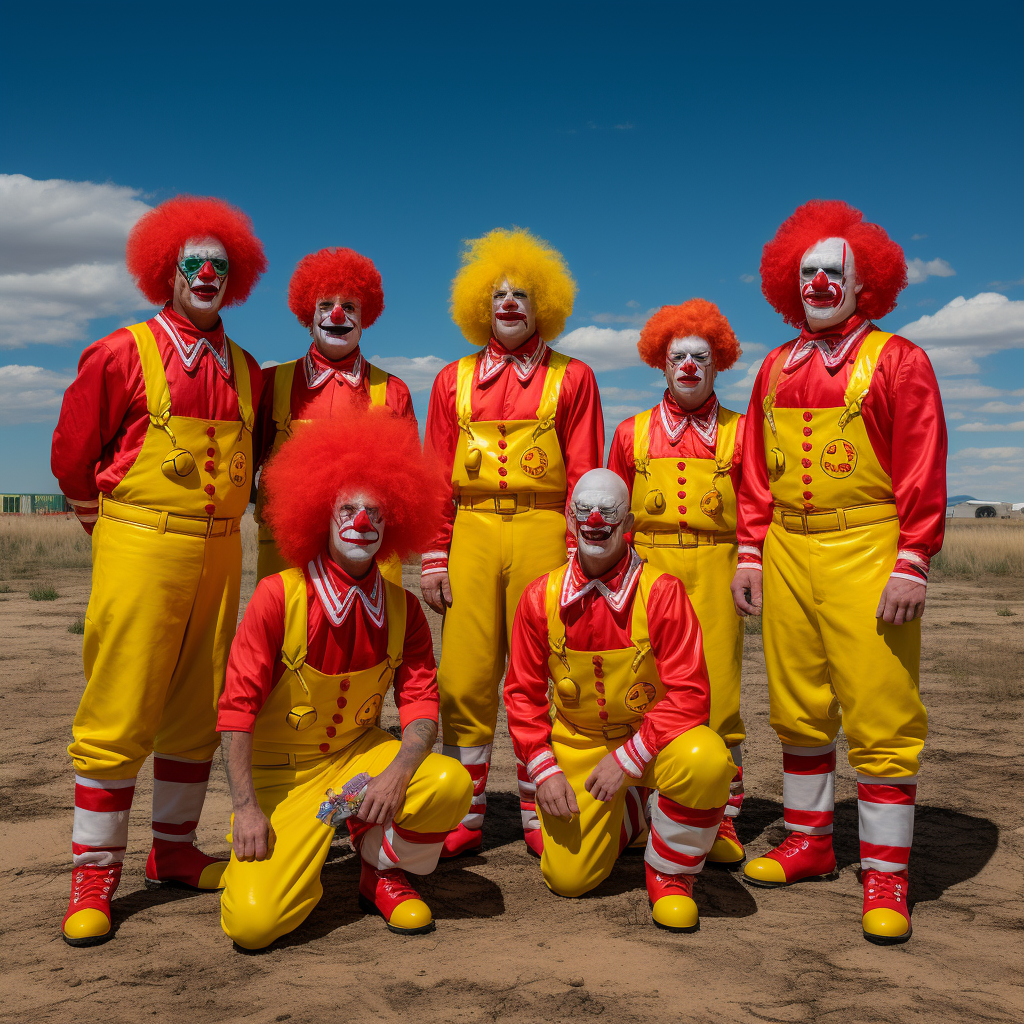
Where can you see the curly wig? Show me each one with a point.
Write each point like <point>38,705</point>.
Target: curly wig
<point>879,261</point>
<point>335,272</point>
<point>156,240</point>
<point>370,451</point>
<point>694,317</point>
<point>528,262</point>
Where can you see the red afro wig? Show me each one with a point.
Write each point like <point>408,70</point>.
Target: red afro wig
<point>695,317</point>
<point>335,272</point>
<point>879,261</point>
<point>370,451</point>
<point>157,238</point>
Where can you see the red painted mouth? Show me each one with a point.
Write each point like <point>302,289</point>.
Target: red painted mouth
<point>336,330</point>
<point>510,316</point>
<point>830,299</point>
<point>361,541</point>
<point>205,292</point>
<point>595,535</point>
<point>689,379</point>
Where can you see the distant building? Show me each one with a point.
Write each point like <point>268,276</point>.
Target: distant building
<point>976,508</point>
<point>24,504</point>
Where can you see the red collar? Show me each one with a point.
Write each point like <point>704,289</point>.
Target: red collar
<point>616,586</point>
<point>190,343</point>
<point>834,345</point>
<point>704,419</point>
<point>319,369</point>
<point>524,361</point>
<point>338,592</point>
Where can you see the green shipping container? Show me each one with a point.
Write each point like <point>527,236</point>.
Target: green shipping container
<point>48,503</point>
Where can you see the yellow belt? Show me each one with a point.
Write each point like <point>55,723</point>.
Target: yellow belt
<point>622,731</point>
<point>682,538</point>
<point>167,522</point>
<point>509,504</point>
<point>836,519</point>
<point>271,759</point>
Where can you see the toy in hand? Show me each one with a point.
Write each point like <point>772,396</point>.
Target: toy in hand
<point>339,806</point>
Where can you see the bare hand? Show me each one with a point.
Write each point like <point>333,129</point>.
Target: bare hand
<point>252,835</point>
<point>437,591</point>
<point>555,797</point>
<point>746,592</point>
<point>606,779</point>
<point>385,795</point>
<point>902,601</point>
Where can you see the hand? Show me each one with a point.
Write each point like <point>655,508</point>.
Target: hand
<point>385,795</point>
<point>606,779</point>
<point>556,798</point>
<point>902,601</point>
<point>437,591</point>
<point>252,835</point>
<point>746,592</point>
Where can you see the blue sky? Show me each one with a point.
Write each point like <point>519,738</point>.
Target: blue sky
<point>658,146</point>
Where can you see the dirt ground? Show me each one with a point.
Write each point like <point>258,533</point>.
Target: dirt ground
<point>505,948</point>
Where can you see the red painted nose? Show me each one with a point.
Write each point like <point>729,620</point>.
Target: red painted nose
<point>594,519</point>
<point>820,282</point>
<point>207,273</point>
<point>362,523</point>
<point>338,315</point>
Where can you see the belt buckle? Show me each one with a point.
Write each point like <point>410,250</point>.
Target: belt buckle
<point>617,732</point>
<point>506,509</point>
<point>799,517</point>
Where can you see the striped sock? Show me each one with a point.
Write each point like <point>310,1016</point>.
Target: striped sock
<point>179,789</point>
<point>681,837</point>
<point>886,811</point>
<point>100,832</point>
<point>476,761</point>
<point>808,788</point>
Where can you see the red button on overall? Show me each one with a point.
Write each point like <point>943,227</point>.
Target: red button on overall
<point>331,731</point>
<point>808,495</point>
<point>209,467</point>
<point>210,490</point>
<point>808,417</point>
<point>502,484</point>
<point>344,684</point>
<point>682,510</point>
<point>806,463</point>
<point>211,452</point>
<point>210,509</point>
<point>808,431</point>
<point>338,719</point>
<point>342,702</point>
<point>502,471</point>
<point>211,432</point>
<point>503,458</point>
<point>602,714</point>
<point>806,478</point>
<point>808,446</point>
<point>681,479</point>
<point>680,465</point>
<point>503,443</point>
<point>324,747</point>
<point>601,701</point>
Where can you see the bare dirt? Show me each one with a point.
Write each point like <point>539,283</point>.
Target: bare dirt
<point>505,948</point>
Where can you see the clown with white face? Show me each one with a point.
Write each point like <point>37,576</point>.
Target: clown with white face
<point>690,371</point>
<point>200,281</point>
<point>512,318</point>
<point>828,283</point>
<point>357,532</point>
<point>601,518</point>
<point>337,326</point>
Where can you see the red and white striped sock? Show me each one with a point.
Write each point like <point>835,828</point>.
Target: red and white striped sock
<point>732,808</point>
<point>886,811</point>
<point>681,837</point>
<point>397,847</point>
<point>100,833</point>
<point>634,816</point>
<point>179,789</point>
<point>476,761</point>
<point>808,788</point>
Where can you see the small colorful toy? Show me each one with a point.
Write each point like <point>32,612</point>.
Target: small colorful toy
<point>339,806</point>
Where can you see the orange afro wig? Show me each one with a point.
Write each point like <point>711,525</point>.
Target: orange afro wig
<point>370,451</point>
<point>335,272</point>
<point>879,261</point>
<point>156,240</point>
<point>694,317</point>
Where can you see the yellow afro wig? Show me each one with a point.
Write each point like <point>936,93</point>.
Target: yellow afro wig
<point>528,262</point>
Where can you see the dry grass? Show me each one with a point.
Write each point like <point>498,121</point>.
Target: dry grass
<point>974,547</point>
<point>28,543</point>
<point>249,545</point>
<point>998,673</point>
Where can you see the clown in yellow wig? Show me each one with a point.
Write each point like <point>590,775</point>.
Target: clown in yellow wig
<point>516,425</point>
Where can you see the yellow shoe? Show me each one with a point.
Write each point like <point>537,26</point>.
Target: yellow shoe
<point>765,871</point>
<point>389,894</point>
<point>88,927</point>
<point>672,905</point>
<point>727,849</point>
<point>886,919</point>
<point>87,922</point>
<point>411,917</point>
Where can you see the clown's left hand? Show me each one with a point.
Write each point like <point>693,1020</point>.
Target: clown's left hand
<point>385,795</point>
<point>902,601</point>
<point>606,779</point>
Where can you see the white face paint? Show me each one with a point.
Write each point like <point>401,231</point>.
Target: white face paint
<point>828,283</point>
<point>600,517</point>
<point>690,371</point>
<point>512,318</point>
<point>357,530</point>
<point>337,326</point>
<point>202,274</point>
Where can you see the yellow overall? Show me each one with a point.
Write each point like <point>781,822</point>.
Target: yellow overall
<point>509,482</point>
<point>703,555</point>
<point>268,559</point>
<point>314,733</point>
<point>165,584</point>
<point>830,662</point>
<point>694,769</point>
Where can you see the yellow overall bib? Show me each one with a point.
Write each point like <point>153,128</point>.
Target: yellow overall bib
<point>165,584</point>
<point>694,769</point>
<point>702,555</point>
<point>830,662</point>
<point>269,559</point>
<point>509,482</point>
<point>314,733</point>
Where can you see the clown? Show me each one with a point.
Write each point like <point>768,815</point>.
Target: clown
<point>620,644</point>
<point>315,654</point>
<point>153,450</point>
<point>841,507</point>
<point>336,294</point>
<point>681,461</point>
<point>516,425</point>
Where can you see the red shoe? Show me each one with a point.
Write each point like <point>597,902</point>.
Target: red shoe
<point>672,905</point>
<point>389,894</point>
<point>183,866</point>
<point>886,914</point>
<point>87,922</point>
<point>534,841</point>
<point>462,840</point>
<point>798,858</point>
<point>727,849</point>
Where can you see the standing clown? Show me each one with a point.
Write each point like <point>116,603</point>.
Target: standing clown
<point>316,653</point>
<point>681,461</point>
<point>335,294</point>
<point>841,507</point>
<point>616,643</point>
<point>153,450</point>
<point>517,425</point>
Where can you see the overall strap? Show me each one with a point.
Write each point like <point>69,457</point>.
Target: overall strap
<point>378,385</point>
<point>556,627</point>
<point>549,396</point>
<point>642,441</point>
<point>284,377</point>
<point>725,448</point>
<point>466,370</point>
<point>397,608</point>
<point>860,377</point>
<point>243,386</point>
<point>768,403</point>
<point>158,394</point>
<point>639,628</point>
<point>293,650</point>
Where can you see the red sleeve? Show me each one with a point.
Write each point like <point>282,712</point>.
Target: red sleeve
<point>398,399</point>
<point>416,679</point>
<point>579,421</point>
<point>526,684</point>
<point>442,438</point>
<point>253,658</point>
<point>620,454</point>
<point>265,430</point>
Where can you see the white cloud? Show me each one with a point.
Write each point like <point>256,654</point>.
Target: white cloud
<point>987,323</point>
<point>747,278</point>
<point>418,372</point>
<point>741,388</point>
<point>996,473</point>
<point>267,363</point>
<point>62,261</point>
<point>631,394</point>
<point>1001,407</point>
<point>986,454</point>
<point>602,347</point>
<point>30,394</point>
<point>917,238</point>
<point>995,428</point>
<point>636,318</point>
<point>919,270</point>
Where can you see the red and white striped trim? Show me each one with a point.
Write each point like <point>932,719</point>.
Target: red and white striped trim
<point>541,767</point>
<point>633,757</point>
<point>189,352</point>
<point>572,590</point>
<point>749,557</point>
<point>433,562</point>
<point>317,377</point>
<point>910,566</point>
<point>706,427</point>
<point>99,835</point>
<point>886,811</point>
<point>681,837</point>
<point>179,790</point>
<point>336,605</point>
<point>732,808</point>
<point>86,511</point>
<point>528,787</point>
<point>496,358</point>
<point>808,788</point>
<point>476,761</point>
<point>634,817</point>
<point>398,847</point>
